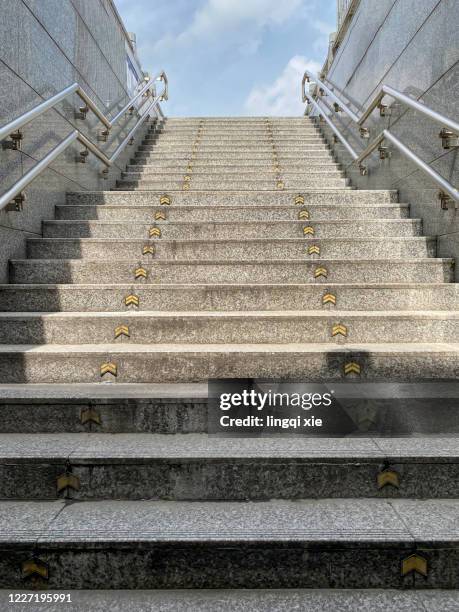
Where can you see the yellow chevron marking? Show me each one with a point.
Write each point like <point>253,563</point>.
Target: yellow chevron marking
<point>35,567</point>
<point>140,273</point>
<point>414,563</point>
<point>303,214</point>
<point>352,368</point>
<point>89,415</point>
<point>154,232</point>
<point>122,330</point>
<point>160,215</point>
<point>308,230</point>
<point>68,481</point>
<point>314,250</point>
<point>339,330</point>
<point>186,187</point>
<point>109,368</point>
<point>131,300</point>
<point>148,250</point>
<point>329,298</point>
<point>321,272</point>
<point>299,199</point>
<point>187,178</point>
<point>388,477</point>
<point>280,185</point>
<point>165,200</point>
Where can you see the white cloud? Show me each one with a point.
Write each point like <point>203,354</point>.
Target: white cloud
<point>240,21</point>
<point>321,43</point>
<point>283,96</point>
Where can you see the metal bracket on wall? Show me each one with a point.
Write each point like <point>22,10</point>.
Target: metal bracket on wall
<point>81,157</point>
<point>82,112</point>
<point>384,152</point>
<point>384,110</point>
<point>445,200</point>
<point>17,203</point>
<point>449,140</point>
<point>14,142</point>
<point>103,135</point>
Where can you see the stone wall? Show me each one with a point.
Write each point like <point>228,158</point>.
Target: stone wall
<point>413,47</point>
<point>46,45</point>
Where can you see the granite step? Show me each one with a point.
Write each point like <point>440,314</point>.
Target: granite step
<point>274,544</point>
<point>102,297</point>
<point>196,214</point>
<point>234,198</point>
<point>237,137</point>
<point>251,327</point>
<point>235,128</point>
<point>229,156</point>
<point>259,600</point>
<point>329,248</point>
<point>268,271</point>
<point>202,184</point>
<point>419,417</point>
<point>198,467</point>
<point>185,363</point>
<point>228,230</point>
<point>243,150</point>
<point>267,173</point>
<point>234,141</point>
<point>255,165</point>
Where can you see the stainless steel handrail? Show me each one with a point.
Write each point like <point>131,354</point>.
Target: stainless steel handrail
<point>164,96</point>
<point>335,130</point>
<point>38,110</point>
<point>76,135</point>
<point>385,90</point>
<point>445,185</point>
<point>411,103</point>
<point>308,76</point>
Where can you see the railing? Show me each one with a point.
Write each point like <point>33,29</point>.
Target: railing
<point>14,197</point>
<point>449,133</point>
<point>343,8</point>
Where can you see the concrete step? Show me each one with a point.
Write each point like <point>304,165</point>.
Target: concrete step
<point>161,544</point>
<point>63,271</point>
<point>419,417</point>
<point>224,166</point>
<point>244,198</point>
<point>255,327</point>
<point>231,184</point>
<point>267,173</point>
<point>196,214</point>
<point>230,156</point>
<point>233,134</point>
<point>173,363</point>
<point>227,230</point>
<point>238,141</point>
<point>102,297</point>
<point>240,149</point>
<point>329,248</point>
<point>199,467</point>
<point>260,600</point>
<point>239,136</point>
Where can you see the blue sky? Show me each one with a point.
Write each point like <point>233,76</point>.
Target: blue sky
<point>231,57</point>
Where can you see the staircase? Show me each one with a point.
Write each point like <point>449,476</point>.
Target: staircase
<point>231,248</point>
